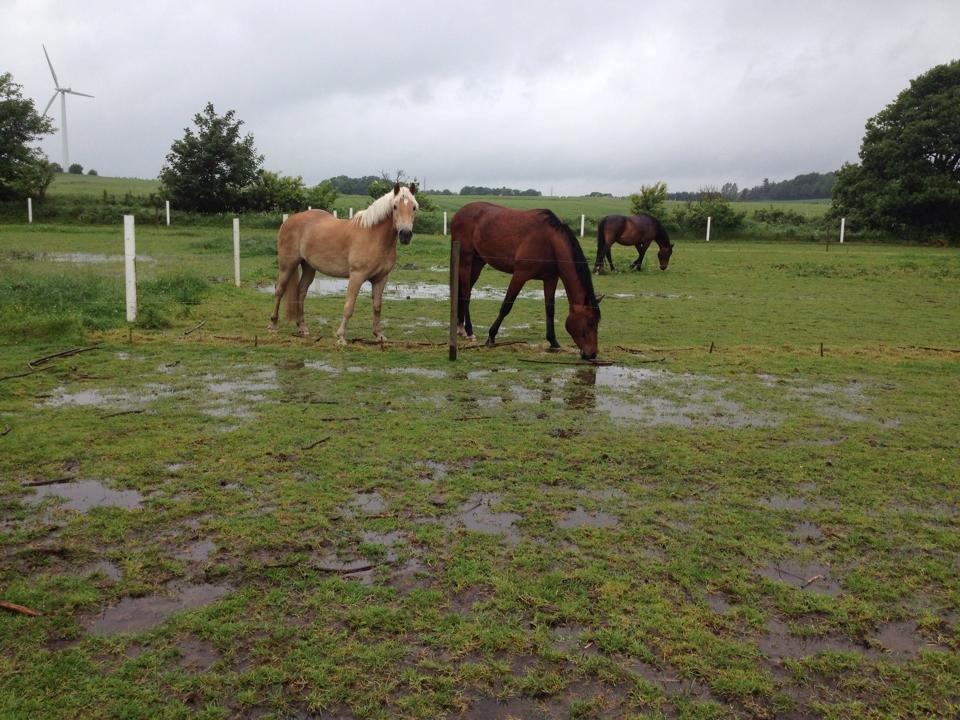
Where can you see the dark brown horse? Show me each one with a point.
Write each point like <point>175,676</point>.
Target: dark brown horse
<point>638,230</point>
<point>530,245</point>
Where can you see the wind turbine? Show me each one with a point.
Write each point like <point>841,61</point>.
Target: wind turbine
<point>62,92</point>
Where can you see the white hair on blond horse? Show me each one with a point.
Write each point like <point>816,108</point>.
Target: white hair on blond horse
<point>382,207</point>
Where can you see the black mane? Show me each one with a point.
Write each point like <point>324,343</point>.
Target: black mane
<point>579,260</point>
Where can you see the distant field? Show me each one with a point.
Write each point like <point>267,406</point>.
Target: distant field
<point>78,185</point>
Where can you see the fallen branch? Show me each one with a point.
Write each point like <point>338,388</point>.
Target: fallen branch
<point>335,419</point>
<point>636,351</point>
<point>24,374</point>
<point>312,445</point>
<point>33,364</point>
<point>195,327</point>
<point>811,581</point>
<point>231,337</point>
<point>343,570</point>
<point>23,610</point>
<point>934,349</point>
<point>53,481</point>
<point>496,345</point>
<point>474,417</point>
<point>595,363</point>
<point>122,412</point>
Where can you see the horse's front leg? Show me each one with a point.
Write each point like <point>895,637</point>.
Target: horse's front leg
<point>378,287</point>
<point>353,289</point>
<point>513,289</point>
<point>549,292</point>
<point>641,251</point>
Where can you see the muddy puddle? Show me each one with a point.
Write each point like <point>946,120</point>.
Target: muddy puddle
<point>329,286</point>
<point>431,471</point>
<point>901,640</point>
<point>197,655</point>
<point>369,503</point>
<point>779,644</point>
<point>198,551</point>
<point>580,518</point>
<point>104,568</point>
<point>807,576</point>
<point>235,398</point>
<point>783,502</point>
<point>142,613</point>
<point>82,495</point>
<point>418,372</point>
<point>477,515</point>
<point>116,399</point>
<point>806,532</point>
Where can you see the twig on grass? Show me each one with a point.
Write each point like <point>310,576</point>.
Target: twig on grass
<point>48,481</point>
<point>312,445</point>
<point>595,363</point>
<point>23,374</point>
<point>497,345</point>
<point>195,327</point>
<point>121,412</point>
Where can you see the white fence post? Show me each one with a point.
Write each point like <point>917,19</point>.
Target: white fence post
<point>335,213</point>
<point>843,226</point>
<point>236,252</point>
<point>285,216</point>
<point>167,203</point>
<point>444,222</point>
<point>29,210</point>
<point>583,219</point>
<point>309,207</point>
<point>130,266</point>
<point>708,227</point>
<point>351,213</point>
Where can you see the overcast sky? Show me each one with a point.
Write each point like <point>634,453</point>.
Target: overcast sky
<point>571,96</point>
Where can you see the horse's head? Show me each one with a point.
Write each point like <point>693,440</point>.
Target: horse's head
<point>663,255</point>
<point>404,209</point>
<point>582,324</point>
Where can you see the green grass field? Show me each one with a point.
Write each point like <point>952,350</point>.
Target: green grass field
<point>66,184</point>
<point>725,522</point>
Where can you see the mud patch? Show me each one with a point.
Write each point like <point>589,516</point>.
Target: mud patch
<point>197,655</point>
<point>83,495</point>
<point>476,515</point>
<point>198,551</point>
<point>418,372</point>
<point>806,532</point>
<point>488,708</point>
<point>104,398</point>
<point>234,398</point>
<point>782,502</point>
<point>810,576</point>
<point>580,518</point>
<point>718,603</point>
<point>369,503</point>
<point>143,613</point>
<point>900,639</point>
<point>778,644</point>
<point>432,471</point>
<point>102,567</point>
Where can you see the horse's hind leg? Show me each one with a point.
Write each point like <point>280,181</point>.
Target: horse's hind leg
<point>305,279</point>
<point>284,277</point>
<point>513,289</point>
<point>549,292</point>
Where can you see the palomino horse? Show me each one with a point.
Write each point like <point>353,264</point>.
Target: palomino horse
<point>638,230</point>
<point>529,244</point>
<point>362,248</point>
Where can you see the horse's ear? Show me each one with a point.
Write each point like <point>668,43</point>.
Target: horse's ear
<point>413,188</point>
<point>396,188</point>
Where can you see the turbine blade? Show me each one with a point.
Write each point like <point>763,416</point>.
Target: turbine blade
<point>74,92</point>
<point>55,81</point>
<point>51,102</point>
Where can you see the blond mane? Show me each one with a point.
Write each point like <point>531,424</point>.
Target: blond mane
<point>381,208</point>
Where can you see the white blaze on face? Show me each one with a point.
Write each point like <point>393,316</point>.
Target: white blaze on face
<point>404,208</point>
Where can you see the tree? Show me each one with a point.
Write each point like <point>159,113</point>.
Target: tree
<point>56,167</point>
<point>76,169</point>
<point>24,171</point>
<point>207,170</point>
<point>908,178</point>
<point>652,200</point>
<point>272,192</point>
<point>91,171</point>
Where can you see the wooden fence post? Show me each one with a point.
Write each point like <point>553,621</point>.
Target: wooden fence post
<point>454,295</point>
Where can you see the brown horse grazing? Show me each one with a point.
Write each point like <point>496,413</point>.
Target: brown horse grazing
<point>362,248</point>
<point>530,245</point>
<point>638,230</point>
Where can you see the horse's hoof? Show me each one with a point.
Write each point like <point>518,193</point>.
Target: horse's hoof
<point>341,342</point>
<point>272,327</point>
<point>490,342</point>
<point>303,332</point>
<point>472,339</point>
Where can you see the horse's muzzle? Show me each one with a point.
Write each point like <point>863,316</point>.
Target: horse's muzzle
<point>405,236</point>
<point>585,356</point>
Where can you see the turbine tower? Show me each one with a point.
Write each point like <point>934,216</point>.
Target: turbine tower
<point>62,92</point>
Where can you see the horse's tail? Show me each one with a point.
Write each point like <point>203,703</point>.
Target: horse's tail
<point>601,242</point>
<point>292,294</point>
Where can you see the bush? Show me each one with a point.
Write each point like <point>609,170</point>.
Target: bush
<point>713,205</point>
<point>91,171</point>
<point>651,200</point>
<point>76,169</point>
